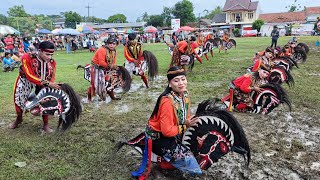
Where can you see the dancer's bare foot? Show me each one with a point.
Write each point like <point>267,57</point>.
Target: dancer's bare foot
<point>47,129</point>
<point>13,125</point>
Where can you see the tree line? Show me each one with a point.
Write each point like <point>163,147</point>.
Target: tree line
<point>27,23</point>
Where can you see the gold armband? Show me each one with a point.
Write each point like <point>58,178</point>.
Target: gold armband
<point>45,82</point>
<point>182,128</point>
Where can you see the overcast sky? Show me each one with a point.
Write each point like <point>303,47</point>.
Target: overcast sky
<point>133,9</point>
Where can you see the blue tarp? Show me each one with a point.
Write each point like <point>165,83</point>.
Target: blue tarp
<point>44,31</point>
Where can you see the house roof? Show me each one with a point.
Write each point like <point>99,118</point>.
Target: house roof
<point>283,17</point>
<point>312,10</point>
<point>232,5</point>
<point>118,25</point>
<point>219,18</point>
<point>206,21</point>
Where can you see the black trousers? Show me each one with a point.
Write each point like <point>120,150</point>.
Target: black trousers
<point>274,42</point>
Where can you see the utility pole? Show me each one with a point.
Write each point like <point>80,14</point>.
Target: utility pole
<point>88,7</point>
<point>199,22</point>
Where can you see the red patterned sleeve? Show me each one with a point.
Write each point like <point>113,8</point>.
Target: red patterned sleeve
<point>26,68</point>
<point>127,54</point>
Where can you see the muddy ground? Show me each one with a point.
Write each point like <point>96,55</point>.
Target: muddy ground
<point>284,145</point>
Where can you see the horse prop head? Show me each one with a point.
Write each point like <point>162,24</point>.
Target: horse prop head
<point>279,75</point>
<point>217,133</point>
<point>63,102</point>
<point>269,98</point>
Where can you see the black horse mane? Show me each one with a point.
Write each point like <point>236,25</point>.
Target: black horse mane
<point>291,61</point>
<point>125,77</point>
<point>75,109</point>
<point>217,41</point>
<point>152,64</point>
<point>298,49</point>
<point>283,96</point>
<point>211,107</point>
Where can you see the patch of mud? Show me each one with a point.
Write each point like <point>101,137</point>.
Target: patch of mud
<point>283,145</point>
<point>212,84</point>
<point>314,74</point>
<point>2,123</point>
<point>123,108</point>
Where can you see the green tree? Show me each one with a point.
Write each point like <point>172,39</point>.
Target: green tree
<point>145,17</point>
<point>17,11</point>
<point>294,6</point>
<point>43,21</point>
<point>3,19</point>
<point>71,19</point>
<point>155,20</point>
<point>117,18</point>
<point>54,16</point>
<point>167,16</point>
<point>214,12</point>
<point>94,19</point>
<point>23,24</point>
<point>184,10</point>
<point>257,24</point>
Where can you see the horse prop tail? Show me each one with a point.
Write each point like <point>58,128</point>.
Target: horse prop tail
<point>126,78</point>
<point>304,46</point>
<point>301,52</point>
<point>217,42</point>
<point>75,108</point>
<point>80,66</point>
<point>291,62</point>
<point>152,63</point>
<point>138,143</point>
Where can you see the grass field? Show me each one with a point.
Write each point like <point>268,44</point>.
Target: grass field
<point>86,150</point>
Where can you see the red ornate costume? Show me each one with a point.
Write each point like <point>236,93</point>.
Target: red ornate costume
<point>105,57</point>
<point>102,73</point>
<point>166,121</point>
<point>34,73</point>
<point>133,52</point>
<point>240,89</point>
<point>244,83</point>
<point>183,48</point>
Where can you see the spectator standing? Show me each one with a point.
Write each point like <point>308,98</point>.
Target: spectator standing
<point>26,44</point>
<point>274,36</point>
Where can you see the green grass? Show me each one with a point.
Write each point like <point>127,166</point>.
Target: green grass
<point>86,151</point>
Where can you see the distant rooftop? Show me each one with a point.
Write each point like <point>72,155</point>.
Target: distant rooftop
<point>219,18</point>
<point>117,25</point>
<point>232,5</point>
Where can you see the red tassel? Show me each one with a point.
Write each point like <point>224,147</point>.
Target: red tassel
<point>231,100</point>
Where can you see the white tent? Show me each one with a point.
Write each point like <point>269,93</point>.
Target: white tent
<point>56,31</point>
<point>302,30</point>
<point>267,28</point>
